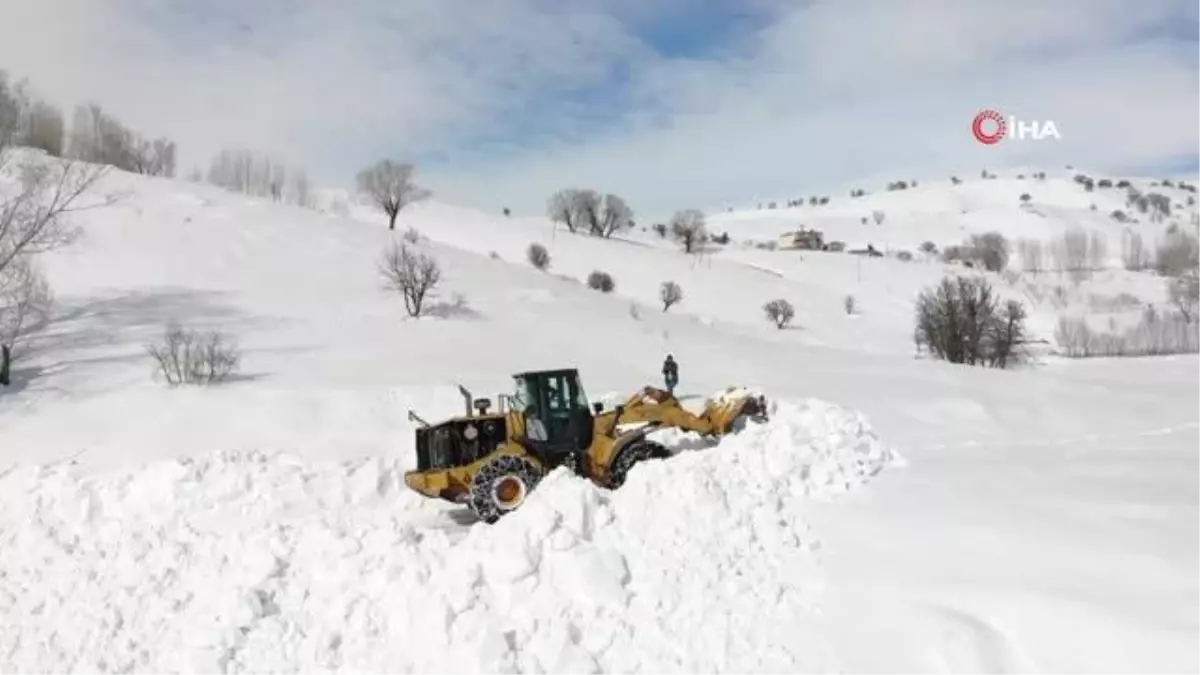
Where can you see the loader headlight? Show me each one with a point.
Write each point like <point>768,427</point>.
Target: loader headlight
<point>470,433</point>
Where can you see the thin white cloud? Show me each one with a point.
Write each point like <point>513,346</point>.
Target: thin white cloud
<point>849,91</point>
<point>829,92</point>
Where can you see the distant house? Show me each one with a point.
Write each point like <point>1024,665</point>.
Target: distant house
<point>802,239</point>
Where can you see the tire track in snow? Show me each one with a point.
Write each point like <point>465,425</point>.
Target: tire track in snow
<point>967,642</point>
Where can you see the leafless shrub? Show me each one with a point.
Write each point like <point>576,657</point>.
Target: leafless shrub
<point>187,356</point>
<point>961,321</point>
<point>688,228</point>
<point>538,256</point>
<point>1177,253</point>
<point>601,281</point>
<point>780,312</point>
<point>413,275</point>
<point>904,256</point>
<point>878,217</point>
<point>1155,334</point>
<point>390,186</point>
<point>669,293</point>
<point>411,236</point>
<point>928,248</point>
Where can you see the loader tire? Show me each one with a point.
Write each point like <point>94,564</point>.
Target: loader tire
<point>739,423</point>
<point>501,486</point>
<point>632,454</point>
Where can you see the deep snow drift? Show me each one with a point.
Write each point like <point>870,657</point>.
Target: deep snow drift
<point>1045,512</point>
<point>251,562</point>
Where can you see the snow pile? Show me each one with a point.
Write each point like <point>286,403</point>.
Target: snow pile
<point>247,561</point>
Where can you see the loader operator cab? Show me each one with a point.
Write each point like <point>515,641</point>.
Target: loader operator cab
<point>558,421</point>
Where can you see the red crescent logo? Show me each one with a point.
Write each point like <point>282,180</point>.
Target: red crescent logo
<point>983,136</point>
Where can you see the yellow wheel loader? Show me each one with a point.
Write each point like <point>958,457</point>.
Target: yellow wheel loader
<point>491,461</point>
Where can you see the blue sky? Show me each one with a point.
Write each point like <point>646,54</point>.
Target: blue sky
<point>670,103</point>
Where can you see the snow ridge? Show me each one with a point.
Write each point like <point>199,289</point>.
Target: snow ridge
<point>254,562</point>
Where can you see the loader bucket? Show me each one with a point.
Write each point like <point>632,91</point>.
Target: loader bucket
<point>734,404</point>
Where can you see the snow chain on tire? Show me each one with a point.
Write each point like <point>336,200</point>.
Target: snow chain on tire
<point>635,452</point>
<point>499,473</point>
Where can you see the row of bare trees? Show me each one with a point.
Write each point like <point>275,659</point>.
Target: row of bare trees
<point>95,136</point>
<point>258,174</point>
<point>100,138</point>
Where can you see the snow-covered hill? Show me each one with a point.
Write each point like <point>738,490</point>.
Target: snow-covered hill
<point>895,514</point>
<point>945,213</point>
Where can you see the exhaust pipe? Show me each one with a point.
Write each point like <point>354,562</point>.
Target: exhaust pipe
<point>466,398</point>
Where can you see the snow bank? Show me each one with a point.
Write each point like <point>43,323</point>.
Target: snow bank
<point>252,562</point>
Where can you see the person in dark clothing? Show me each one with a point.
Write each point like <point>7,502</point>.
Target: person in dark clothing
<point>670,371</point>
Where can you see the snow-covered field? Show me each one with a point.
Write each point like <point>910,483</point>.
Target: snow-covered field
<point>894,514</point>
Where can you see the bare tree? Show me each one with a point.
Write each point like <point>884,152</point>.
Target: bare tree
<point>1184,292</point>
<point>413,275</point>
<point>689,229</point>
<point>878,217</point>
<point>152,158</point>
<point>390,185</point>
<point>25,300</point>
<point>959,321</point>
<point>780,312</point>
<point>33,220</point>
<point>607,215</point>
<point>669,293</point>
<point>567,207</point>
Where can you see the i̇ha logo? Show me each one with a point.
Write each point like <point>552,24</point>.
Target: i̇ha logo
<point>990,127</point>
